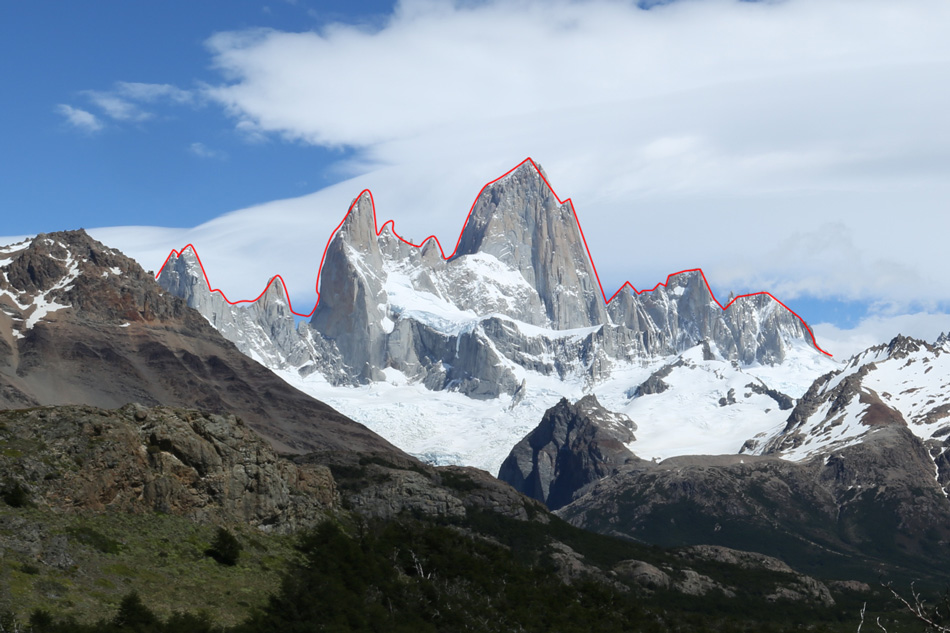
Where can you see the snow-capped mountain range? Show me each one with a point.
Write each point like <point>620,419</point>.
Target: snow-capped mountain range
<point>805,464</point>
<point>455,357</point>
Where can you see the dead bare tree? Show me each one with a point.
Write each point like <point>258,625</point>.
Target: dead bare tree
<point>918,608</point>
<point>9,623</point>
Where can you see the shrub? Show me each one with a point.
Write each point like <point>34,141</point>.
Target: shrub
<point>88,536</point>
<point>225,548</point>
<point>40,620</point>
<point>15,495</point>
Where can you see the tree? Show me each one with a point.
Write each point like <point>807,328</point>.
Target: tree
<point>133,615</point>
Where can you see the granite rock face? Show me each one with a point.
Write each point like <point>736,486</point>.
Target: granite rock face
<point>574,445</point>
<point>520,222</point>
<point>519,293</point>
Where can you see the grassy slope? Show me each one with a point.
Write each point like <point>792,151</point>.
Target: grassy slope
<point>109,555</point>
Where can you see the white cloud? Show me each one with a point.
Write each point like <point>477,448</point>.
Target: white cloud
<point>116,107</point>
<point>85,121</point>
<point>123,101</point>
<point>154,92</point>
<point>203,151</point>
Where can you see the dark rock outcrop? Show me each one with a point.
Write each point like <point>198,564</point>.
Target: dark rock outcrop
<point>654,384</point>
<point>872,507</point>
<point>207,467</point>
<point>385,486</point>
<point>784,401</point>
<point>574,445</point>
<point>798,587</point>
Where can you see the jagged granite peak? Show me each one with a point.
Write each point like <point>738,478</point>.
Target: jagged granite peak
<point>676,315</point>
<point>521,222</point>
<point>518,297</point>
<point>351,312</point>
<point>359,230</point>
<point>82,323</point>
<point>574,445</point>
<point>264,329</point>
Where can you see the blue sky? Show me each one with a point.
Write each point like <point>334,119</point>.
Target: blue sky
<point>56,176</point>
<point>799,147</point>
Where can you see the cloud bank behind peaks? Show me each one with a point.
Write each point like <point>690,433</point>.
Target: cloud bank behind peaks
<point>735,132</point>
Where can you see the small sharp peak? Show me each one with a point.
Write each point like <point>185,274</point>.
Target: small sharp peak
<point>183,277</point>
<point>180,262</point>
<point>689,279</point>
<point>943,341</point>
<point>900,346</point>
<point>589,403</point>
<point>275,294</point>
<point>359,226</point>
<point>686,285</point>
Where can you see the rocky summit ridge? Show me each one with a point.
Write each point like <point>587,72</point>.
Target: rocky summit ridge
<point>900,384</point>
<point>518,298</point>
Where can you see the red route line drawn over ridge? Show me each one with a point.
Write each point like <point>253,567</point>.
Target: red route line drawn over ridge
<point>380,229</point>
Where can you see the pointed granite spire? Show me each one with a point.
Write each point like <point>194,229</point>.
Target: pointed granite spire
<point>519,220</point>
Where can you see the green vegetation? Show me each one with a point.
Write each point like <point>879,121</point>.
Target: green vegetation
<point>413,576</point>
<point>488,573</point>
<point>84,564</point>
<point>385,463</point>
<point>458,481</point>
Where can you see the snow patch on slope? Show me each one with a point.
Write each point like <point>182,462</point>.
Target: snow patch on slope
<point>42,305</point>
